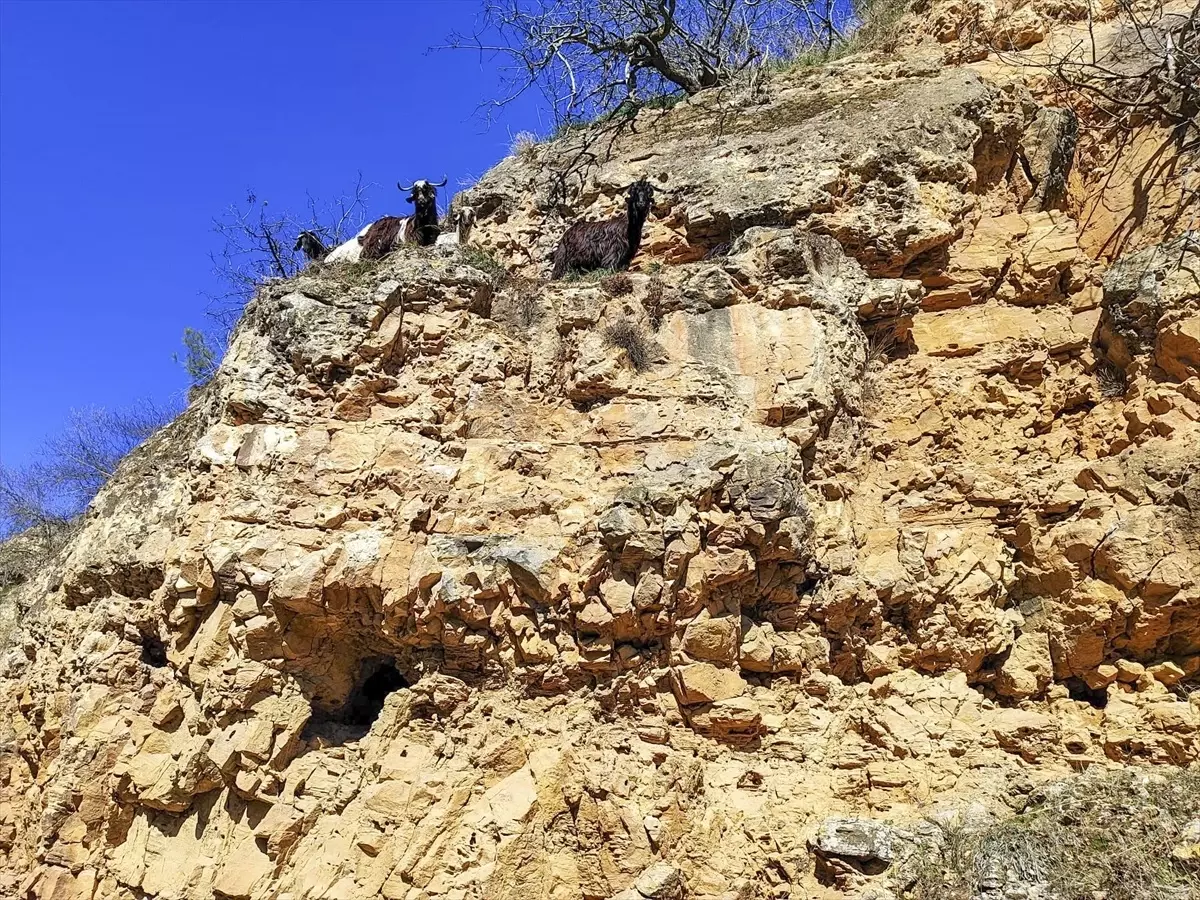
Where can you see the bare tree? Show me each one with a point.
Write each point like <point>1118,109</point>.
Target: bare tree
<point>1150,70</point>
<point>1142,68</point>
<point>73,465</point>
<point>590,57</point>
<point>258,241</point>
<point>26,504</point>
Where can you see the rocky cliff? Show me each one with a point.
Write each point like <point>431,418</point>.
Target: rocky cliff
<point>871,494</point>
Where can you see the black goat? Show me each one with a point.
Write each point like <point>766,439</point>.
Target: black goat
<point>611,244</point>
<point>421,228</point>
<point>311,245</point>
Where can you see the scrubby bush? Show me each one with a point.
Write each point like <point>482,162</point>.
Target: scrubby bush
<point>655,291</point>
<point>639,347</point>
<point>1113,835</point>
<point>617,285</point>
<point>1110,380</point>
<point>201,357</point>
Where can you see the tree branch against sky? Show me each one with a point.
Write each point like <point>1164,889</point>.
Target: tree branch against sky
<point>587,57</point>
<point>73,465</point>
<point>257,243</point>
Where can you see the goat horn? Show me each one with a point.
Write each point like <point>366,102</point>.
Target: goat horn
<point>403,188</point>
<point>441,183</point>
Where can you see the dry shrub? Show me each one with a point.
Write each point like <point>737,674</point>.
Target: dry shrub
<point>524,146</point>
<point>1109,835</point>
<point>617,285</point>
<point>881,28</point>
<point>641,349</point>
<point>655,291</point>
<point>881,344</point>
<point>1110,380</point>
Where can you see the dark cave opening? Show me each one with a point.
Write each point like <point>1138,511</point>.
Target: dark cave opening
<point>1078,689</point>
<point>366,700</point>
<point>378,677</point>
<point>154,651</point>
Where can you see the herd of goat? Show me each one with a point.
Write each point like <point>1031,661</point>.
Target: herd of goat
<point>585,247</point>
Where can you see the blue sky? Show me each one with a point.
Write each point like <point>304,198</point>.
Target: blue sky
<point>126,127</point>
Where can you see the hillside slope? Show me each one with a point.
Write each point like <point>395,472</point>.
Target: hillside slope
<point>872,493</point>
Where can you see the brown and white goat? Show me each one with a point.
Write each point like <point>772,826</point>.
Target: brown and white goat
<point>421,228</point>
<point>384,235</point>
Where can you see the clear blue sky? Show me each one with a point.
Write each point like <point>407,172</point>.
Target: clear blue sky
<point>126,127</point>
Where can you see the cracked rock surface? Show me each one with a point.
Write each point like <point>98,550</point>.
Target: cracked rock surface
<point>437,592</point>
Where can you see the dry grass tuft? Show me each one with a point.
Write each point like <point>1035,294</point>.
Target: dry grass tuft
<point>1110,380</point>
<point>617,284</point>
<point>1109,835</point>
<point>524,146</point>
<point>655,291</point>
<point>641,349</point>
<point>881,344</point>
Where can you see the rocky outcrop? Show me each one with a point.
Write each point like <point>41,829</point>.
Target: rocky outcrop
<point>1151,308</point>
<point>461,585</point>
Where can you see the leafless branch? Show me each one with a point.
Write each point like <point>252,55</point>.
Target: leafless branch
<point>257,242</point>
<point>1150,71</point>
<point>589,58</point>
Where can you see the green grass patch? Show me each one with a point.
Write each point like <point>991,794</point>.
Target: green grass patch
<point>482,260</point>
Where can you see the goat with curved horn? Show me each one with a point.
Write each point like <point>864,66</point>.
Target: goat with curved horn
<point>421,228</point>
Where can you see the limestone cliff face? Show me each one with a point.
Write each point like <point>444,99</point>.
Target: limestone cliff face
<point>445,588</point>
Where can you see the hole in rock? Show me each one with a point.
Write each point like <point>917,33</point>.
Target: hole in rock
<point>154,651</point>
<point>1078,690</point>
<point>351,721</point>
<point>366,701</point>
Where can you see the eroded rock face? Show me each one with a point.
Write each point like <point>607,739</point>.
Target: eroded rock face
<point>440,590</point>
<point>1151,308</point>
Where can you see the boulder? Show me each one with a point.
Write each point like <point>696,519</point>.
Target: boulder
<point>713,640</point>
<point>705,683</point>
<point>661,881</point>
<point>1028,669</point>
<point>868,843</point>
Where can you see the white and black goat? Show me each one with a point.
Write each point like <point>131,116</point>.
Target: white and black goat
<point>384,235</point>
<point>611,244</point>
<point>458,227</point>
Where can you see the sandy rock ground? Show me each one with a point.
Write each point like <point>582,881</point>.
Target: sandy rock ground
<point>885,505</point>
